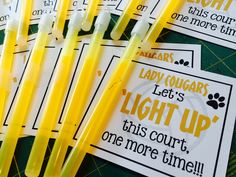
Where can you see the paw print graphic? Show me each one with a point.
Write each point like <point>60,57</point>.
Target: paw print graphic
<point>216,101</point>
<point>182,62</point>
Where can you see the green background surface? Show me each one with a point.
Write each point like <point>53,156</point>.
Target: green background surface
<point>215,59</point>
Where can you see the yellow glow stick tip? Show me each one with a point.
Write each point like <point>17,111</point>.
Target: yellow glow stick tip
<point>140,29</point>
<point>159,24</point>
<point>89,14</point>
<point>12,25</point>
<point>24,23</point>
<point>102,21</point>
<point>45,24</point>
<point>60,18</point>
<point>75,21</point>
<point>124,19</point>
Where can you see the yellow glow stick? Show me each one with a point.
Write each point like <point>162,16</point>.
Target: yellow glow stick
<point>60,20</point>
<point>80,96</point>
<point>25,96</point>
<point>26,10</point>
<point>89,14</point>
<point>55,99</point>
<point>124,19</point>
<point>6,64</point>
<point>159,24</point>
<point>107,102</point>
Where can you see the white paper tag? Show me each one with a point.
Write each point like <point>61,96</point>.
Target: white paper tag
<point>169,122</point>
<point>213,21</point>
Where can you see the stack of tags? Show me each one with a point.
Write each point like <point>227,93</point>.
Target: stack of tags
<point>213,21</point>
<point>170,119</point>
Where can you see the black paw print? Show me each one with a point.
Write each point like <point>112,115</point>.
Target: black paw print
<point>182,62</point>
<point>216,101</point>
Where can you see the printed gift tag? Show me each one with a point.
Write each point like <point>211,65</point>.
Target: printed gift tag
<point>170,122</point>
<point>213,21</point>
